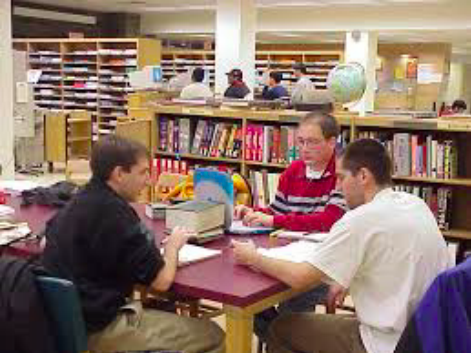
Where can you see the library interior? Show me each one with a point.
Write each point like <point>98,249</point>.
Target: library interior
<point>268,175</point>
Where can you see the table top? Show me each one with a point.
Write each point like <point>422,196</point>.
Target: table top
<point>219,279</point>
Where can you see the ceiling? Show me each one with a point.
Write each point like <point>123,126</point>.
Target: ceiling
<point>139,6</point>
<point>459,38</point>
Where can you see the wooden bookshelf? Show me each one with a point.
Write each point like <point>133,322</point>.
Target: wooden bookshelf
<point>89,74</point>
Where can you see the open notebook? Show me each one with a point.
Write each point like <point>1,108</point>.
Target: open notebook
<point>189,254</point>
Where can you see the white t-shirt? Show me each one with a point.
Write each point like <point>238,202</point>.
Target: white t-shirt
<point>386,252</point>
<point>302,85</point>
<point>196,90</point>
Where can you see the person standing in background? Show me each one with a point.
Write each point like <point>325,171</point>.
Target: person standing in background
<point>274,89</point>
<point>196,89</point>
<point>303,84</point>
<point>237,87</point>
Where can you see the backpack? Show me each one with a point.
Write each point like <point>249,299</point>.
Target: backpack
<point>24,326</point>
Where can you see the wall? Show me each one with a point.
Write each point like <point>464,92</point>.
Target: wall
<point>334,18</point>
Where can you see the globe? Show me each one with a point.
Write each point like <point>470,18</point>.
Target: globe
<point>347,82</point>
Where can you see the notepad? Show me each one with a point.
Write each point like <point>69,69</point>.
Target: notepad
<point>298,252</point>
<point>237,227</point>
<point>189,254</point>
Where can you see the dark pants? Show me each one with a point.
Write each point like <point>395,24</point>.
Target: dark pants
<point>304,302</point>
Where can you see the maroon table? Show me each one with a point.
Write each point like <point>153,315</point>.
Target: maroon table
<point>242,292</point>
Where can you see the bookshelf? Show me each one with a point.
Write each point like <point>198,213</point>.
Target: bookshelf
<point>175,61</point>
<point>456,228</point>
<point>89,74</point>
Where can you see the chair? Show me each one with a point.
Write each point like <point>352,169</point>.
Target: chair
<point>78,171</point>
<point>62,306</point>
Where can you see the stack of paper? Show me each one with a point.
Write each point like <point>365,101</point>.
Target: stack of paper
<point>313,237</point>
<point>10,232</point>
<point>6,212</point>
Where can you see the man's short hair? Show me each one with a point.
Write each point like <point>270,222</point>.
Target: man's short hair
<point>114,151</point>
<point>369,154</point>
<point>276,76</point>
<point>197,75</point>
<point>300,67</point>
<point>328,124</point>
<point>459,104</point>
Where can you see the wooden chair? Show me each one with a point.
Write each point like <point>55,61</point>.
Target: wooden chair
<point>78,171</point>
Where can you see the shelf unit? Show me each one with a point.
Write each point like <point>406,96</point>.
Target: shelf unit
<point>460,223</point>
<point>318,63</point>
<point>68,135</point>
<point>90,74</point>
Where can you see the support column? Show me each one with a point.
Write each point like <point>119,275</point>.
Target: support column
<point>235,41</point>
<point>362,47</point>
<point>7,161</point>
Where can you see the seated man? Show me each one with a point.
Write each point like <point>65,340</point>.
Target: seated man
<point>197,89</point>
<point>306,200</point>
<point>237,88</point>
<point>274,89</point>
<point>386,252</point>
<point>99,243</point>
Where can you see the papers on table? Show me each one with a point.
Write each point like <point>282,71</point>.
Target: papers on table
<point>6,212</point>
<point>18,185</point>
<point>298,252</point>
<point>237,227</point>
<point>189,254</point>
<point>10,232</point>
<point>313,237</point>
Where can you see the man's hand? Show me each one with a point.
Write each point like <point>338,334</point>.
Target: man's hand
<point>336,296</point>
<point>177,239</point>
<point>255,219</point>
<point>245,252</point>
<point>241,211</point>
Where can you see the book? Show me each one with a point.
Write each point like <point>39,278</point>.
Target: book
<point>189,254</point>
<point>196,216</point>
<point>156,210</point>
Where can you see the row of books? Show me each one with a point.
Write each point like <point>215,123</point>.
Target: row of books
<point>264,185</point>
<point>204,137</point>
<point>439,199</point>
<point>179,166</point>
<point>420,155</point>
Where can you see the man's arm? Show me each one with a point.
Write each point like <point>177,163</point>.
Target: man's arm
<point>299,276</point>
<point>166,275</point>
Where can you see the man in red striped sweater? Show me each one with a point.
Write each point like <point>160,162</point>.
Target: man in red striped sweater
<point>306,200</point>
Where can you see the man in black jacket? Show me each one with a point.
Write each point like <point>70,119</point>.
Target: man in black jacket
<point>99,243</point>
<point>237,87</point>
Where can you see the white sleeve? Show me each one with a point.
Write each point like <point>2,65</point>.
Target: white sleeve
<point>340,255</point>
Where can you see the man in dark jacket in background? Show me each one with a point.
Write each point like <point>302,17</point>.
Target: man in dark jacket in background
<point>237,87</point>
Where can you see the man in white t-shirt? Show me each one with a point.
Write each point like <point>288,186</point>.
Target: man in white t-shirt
<point>197,89</point>
<point>303,84</point>
<point>385,251</point>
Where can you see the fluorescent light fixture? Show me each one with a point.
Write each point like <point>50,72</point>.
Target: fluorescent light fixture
<point>54,15</point>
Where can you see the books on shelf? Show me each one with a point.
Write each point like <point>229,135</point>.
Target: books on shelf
<point>202,137</point>
<point>270,144</point>
<point>419,155</point>
<point>439,199</point>
<point>264,186</point>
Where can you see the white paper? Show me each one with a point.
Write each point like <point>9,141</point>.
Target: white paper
<point>426,74</point>
<point>298,252</point>
<point>237,227</point>
<point>18,185</point>
<point>192,253</point>
<point>33,76</point>
<point>312,237</point>
<point>6,211</point>
<point>9,235</point>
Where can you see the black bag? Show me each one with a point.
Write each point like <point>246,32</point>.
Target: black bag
<point>24,327</point>
<point>57,195</point>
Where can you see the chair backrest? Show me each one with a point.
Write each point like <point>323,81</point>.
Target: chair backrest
<point>62,306</point>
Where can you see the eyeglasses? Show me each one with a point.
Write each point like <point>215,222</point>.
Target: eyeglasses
<point>309,143</point>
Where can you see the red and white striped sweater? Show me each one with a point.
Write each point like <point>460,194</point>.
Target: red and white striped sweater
<point>303,204</point>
